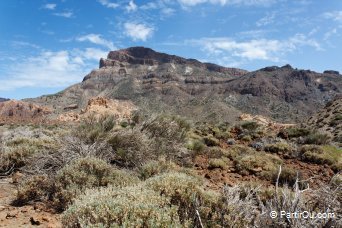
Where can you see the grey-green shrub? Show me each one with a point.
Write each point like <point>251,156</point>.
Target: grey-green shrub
<point>121,207</point>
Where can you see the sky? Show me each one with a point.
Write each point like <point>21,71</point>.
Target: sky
<point>48,45</point>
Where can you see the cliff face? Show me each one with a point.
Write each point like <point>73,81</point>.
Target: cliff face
<point>158,82</point>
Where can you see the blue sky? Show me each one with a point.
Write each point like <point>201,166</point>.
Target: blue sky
<point>47,45</point>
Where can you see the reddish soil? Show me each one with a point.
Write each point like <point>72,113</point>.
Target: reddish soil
<point>26,216</point>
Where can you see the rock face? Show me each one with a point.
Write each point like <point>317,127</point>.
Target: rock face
<point>21,111</point>
<point>329,119</point>
<point>158,82</point>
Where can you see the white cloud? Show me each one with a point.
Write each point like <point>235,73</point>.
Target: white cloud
<point>255,49</point>
<point>50,69</point>
<point>97,39</point>
<point>66,14</point>
<point>50,6</point>
<point>138,31</point>
<point>330,33</point>
<point>268,19</point>
<point>131,6</point>
<point>108,4</point>
<point>334,15</point>
<point>187,3</point>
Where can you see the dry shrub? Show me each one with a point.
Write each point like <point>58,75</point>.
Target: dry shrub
<point>326,199</point>
<point>73,180</point>
<point>126,207</point>
<point>36,188</point>
<point>194,203</point>
<point>72,148</point>
<point>156,167</point>
<point>260,164</point>
<point>94,128</point>
<point>131,148</point>
<point>217,163</point>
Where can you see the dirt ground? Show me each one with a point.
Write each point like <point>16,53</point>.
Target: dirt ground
<point>26,216</point>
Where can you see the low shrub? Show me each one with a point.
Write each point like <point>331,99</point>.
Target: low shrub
<point>330,155</point>
<point>211,141</point>
<point>293,132</point>
<point>217,163</point>
<point>36,188</point>
<point>132,148</point>
<point>73,180</point>
<point>126,207</point>
<point>187,193</point>
<point>283,149</point>
<point>260,164</point>
<point>94,128</point>
<point>251,126</point>
<point>153,168</point>
<point>317,138</point>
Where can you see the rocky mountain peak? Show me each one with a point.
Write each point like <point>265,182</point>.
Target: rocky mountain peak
<point>149,57</point>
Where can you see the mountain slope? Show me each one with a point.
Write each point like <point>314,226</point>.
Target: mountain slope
<point>329,119</point>
<point>157,82</point>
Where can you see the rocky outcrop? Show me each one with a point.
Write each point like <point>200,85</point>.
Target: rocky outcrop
<point>21,111</point>
<point>100,106</point>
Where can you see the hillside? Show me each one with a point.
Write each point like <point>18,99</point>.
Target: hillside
<point>329,119</point>
<point>160,82</point>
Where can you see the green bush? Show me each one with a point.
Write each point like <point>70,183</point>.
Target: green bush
<point>294,132</point>
<point>217,163</point>
<point>283,149</point>
<point>330,155</point>
<point>317,138</point>
<point>211,141</point>
<point>126,207</point>
<point>251,126</point>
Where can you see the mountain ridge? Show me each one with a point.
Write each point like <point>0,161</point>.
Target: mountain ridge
<point>167,83</point>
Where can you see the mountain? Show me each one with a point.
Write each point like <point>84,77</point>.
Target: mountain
<point>329,119</point>
<point>3,99</point>
<point>160,82</point>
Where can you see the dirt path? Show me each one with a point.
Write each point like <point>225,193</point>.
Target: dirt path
<point>26,216</point>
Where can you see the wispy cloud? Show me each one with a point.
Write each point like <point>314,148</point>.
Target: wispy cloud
<point>334,15</point>
<point>97,39</point>
<point>268,19</point>
<point>138,31</point>
<point>50,6</point>
<point>109,4</point>
<point>50,69</point>
<point>131,7</point>
<point>188,3</point>
<point>66,14</point>
<point>255,49</point>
